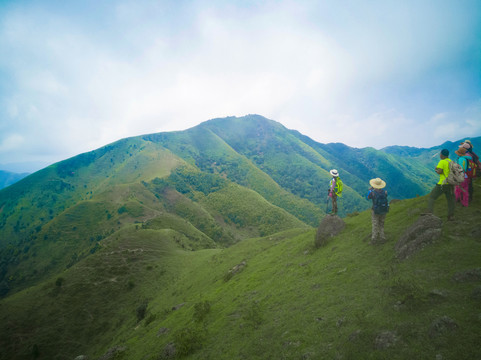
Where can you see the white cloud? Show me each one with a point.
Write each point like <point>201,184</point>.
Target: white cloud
<point>12,142</point>
<point>335,73</point>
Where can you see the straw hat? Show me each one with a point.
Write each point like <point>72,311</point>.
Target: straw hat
<point>334,173</point>
<point>377,183</point>
<point>461,151</point>
<point>466,144</point>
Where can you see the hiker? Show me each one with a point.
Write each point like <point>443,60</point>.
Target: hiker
<point>442,187</point>
<point>476,168</point>
<point>335,189</point>
<point>461,191</point>
<point>380,207</point>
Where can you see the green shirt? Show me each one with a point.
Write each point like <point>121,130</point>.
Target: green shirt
<point>444,165</point>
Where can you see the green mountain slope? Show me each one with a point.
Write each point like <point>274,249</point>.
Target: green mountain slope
<point>142,295</point>
<point>154,221</point>
<point>228,179</point>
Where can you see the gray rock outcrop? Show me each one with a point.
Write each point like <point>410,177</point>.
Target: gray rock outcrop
<point>423,232</point>
<point>330,226</point>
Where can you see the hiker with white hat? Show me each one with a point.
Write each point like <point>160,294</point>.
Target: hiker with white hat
<point>380,207</point>
<point>335,189</point>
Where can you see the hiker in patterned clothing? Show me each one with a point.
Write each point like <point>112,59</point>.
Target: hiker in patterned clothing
<point>335,189</point>
<point>475,158</point>
<point>442,187</point>
<point>461,191</point>
<point>380,207</point>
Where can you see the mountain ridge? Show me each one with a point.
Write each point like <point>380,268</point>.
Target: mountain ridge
<point>142,236</point>
<point>200,169</point>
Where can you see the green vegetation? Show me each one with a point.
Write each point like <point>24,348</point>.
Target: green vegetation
<point>200,244</point>
<point>348,299</point>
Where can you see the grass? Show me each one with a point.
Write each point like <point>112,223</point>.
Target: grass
<point>292,301</point>
<point>346,300</point>
<point>128,262</point>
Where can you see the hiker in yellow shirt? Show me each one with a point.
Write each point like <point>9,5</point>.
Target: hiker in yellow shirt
<point>442,187</point>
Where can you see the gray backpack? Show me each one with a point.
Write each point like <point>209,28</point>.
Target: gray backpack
<point>456,174</point>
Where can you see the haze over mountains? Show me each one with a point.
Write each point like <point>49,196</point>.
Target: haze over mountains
<point>209,187</point>
<point>8,178</point>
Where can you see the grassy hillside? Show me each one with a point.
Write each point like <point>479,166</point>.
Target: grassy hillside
<point>229,178</point>
<point>57,217</point>
<point>142,294</point>
<point>134,242</point>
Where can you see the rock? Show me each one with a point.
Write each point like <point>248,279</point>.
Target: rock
<point>468,275</point>
<point>177,307</point>
<point>112,353</point>
<point>238,268</point>
<point>442,326</point>
<point>81,357</point>
<point>476,294</point>
<point>423,232</point>
<point>162,331</point>
<point>385,340</point>
<point>235,270</point>
<point>330,226</point>
<point>169,351</point>
<point>354,336</point>
<point>437,294</point>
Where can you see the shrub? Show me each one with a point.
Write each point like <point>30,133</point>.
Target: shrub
<point>142,310</point>
<point>253,315</point>
<point>201,310</point>
<point>188,340</point>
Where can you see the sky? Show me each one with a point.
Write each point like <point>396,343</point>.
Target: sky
<point>78,75</point>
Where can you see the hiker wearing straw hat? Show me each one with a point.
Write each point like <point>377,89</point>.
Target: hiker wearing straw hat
<point>380,207</point>
<point>335,189</point>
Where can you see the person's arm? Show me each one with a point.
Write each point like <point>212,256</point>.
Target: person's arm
<point>438,169</point>
<point>333,184</point>
<point>369,194</point>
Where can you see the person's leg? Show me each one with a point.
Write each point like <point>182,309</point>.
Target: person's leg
<point>334,203</point>
<point>382,237</point>
<point>458,193</point>
<point>375,228</point>
<point>470,190</point>
<point>435,192</point>
<point>449,192</point>
<point>465,194</point>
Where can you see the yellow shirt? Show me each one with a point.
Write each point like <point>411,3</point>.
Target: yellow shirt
<point>444,165</point>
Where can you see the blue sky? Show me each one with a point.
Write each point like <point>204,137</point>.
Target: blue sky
<point>77,75</point>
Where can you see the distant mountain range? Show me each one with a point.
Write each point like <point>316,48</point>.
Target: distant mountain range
<point>8,178</point>
<point>208,187</point>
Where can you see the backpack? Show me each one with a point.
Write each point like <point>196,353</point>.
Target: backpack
<point>456,174</point>
<point>471,170</point>
<point>338,188</point>
<point>380,205</point>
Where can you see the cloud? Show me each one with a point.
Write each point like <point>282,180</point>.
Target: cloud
<point>366,75</point>
<point>12,142</point>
